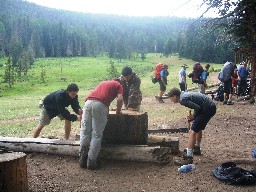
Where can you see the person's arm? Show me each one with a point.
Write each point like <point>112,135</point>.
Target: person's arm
<point>60,100</point>
<point>119,103</point>
<point>75,105</point>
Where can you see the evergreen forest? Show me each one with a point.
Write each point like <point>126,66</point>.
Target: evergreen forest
<point>29,31</point>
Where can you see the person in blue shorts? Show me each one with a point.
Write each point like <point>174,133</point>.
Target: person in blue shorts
<point>204,110</point>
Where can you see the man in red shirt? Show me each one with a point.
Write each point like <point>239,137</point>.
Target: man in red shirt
<point>94,120</point>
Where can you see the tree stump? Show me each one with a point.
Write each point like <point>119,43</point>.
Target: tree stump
<point>13,172</point>
<point>129,128</point>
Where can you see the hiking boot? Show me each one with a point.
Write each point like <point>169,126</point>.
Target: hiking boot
<point>229,102</point>
<point>197,150</point>
<point>161,100</point>
<point>92,165</point>
<point>83,157</point>
<point>225,102</point>
<point>184,160</point>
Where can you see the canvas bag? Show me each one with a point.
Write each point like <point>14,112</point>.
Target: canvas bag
<point>226,72</point>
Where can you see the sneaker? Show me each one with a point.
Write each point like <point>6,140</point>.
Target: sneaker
<point>225,102</point>
<point>92,165</point>
<point>229,102</point>
<point>197,150</point>
<point>83,157</point>
<point>184,160</point>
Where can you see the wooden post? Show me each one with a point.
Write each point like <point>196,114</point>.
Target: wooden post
<point>129,128</point>
<point>13,172</point>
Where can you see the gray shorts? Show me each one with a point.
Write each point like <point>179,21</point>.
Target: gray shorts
<point>44,117</point>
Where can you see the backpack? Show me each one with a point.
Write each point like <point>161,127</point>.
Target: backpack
<point>226,72</point>
<point>229,173</point>
<point>157,70</point>
<point>197,72</point>
<point>219,95</point>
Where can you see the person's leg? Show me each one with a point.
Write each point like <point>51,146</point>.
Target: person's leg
<point>67,128</point>
<point>99,121</point>
<point>43,120</point>
<point>37,131</point>
<point>199,136</point>
<point>85,133</point>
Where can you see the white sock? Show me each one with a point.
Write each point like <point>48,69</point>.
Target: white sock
<point>189,152</point>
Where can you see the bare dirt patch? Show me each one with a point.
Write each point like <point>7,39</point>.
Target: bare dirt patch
<point>230,136</point>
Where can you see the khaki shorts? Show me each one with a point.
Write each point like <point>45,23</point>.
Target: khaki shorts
<point>44,117</point>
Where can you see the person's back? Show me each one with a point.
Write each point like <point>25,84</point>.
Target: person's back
<point>105,92</point>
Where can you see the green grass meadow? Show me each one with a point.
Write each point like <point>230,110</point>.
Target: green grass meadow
<point>21,101</point>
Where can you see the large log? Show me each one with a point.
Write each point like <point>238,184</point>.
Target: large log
<point>165,141</point>
<point>13,171</point>
<point>140,153</point>
<point>129,128</point>
<point>160,140</point>
<point>209,86</point>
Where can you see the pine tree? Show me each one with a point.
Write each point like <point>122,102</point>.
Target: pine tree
<point>10,74</point>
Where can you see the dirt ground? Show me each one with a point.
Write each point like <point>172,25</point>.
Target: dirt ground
<point>229,136</point>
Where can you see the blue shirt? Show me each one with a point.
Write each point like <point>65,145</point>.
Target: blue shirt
<point>243,72</point>
<point>182,73</point>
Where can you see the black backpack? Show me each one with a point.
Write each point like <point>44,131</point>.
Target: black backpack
<point>219,95</point>
<point>196,73</point>
<point>231,174</point>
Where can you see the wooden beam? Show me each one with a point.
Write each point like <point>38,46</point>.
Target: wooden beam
<point>140,153</point>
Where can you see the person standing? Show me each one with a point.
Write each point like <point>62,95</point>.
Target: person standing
<point>202,85</point>
<point>55,104</point>
<point>183,78</point>
<point>163,83</point>
<point>225,76</point>
<point>131,86</point>
<point>94,120</point>
<point>204,110</point>
<point>235,81</point>
<point>242,73</point>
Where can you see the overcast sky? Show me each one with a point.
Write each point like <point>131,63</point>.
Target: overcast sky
<point>179,8</point>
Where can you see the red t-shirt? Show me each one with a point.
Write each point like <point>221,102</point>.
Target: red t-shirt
<point>106,92</point>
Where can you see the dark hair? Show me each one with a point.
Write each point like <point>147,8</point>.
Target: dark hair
<point>173,91</point>
<point>207,66</point>
<point>126,71</point>
<point>72,87</point>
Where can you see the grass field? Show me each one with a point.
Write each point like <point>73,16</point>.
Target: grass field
<point>21,102</point>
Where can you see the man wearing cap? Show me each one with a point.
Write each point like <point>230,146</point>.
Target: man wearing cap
<point>131,86</point>
<point>182,78</point>
<point>55,104</point>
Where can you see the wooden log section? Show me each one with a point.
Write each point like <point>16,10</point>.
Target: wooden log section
<point>13,172</point>
<point>165,141</point>
<point>129,128</point>
<point>140,153</point>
